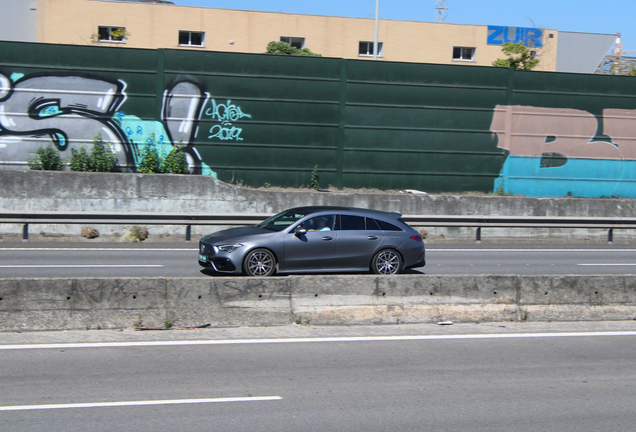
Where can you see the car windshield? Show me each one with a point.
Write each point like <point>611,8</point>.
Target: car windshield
<point>283,220</point>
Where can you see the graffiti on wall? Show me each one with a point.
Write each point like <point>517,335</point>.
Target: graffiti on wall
<point>589,156</point>
<point>71,110</point>
<point>226,114</point>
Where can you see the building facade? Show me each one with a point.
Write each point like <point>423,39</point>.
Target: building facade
<point>161,24</point>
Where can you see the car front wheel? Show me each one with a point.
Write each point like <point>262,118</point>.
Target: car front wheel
<point>259,262</point>
<point>386,262</point>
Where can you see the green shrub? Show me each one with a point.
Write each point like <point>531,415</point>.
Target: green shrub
<point>102,157</point>
<point>175,162</point>
<point>79,159</point>
<point>150,160</point>
<point>315,179</point>
<point>48,159</point>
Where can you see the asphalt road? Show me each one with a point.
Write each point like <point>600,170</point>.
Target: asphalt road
<point>180,259</point>
<point>494,377</point>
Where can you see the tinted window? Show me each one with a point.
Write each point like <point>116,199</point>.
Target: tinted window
<point>387,226</point>
<point>351,223</point>
<point>372,225</point>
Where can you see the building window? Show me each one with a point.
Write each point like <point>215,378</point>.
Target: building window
<point>463,54</point>
<point>111,34</point>
<point>296,42</point>
<point>189,38</point>
<point>366,49</point>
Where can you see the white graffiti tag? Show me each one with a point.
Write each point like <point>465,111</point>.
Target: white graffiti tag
<point>226,114</point>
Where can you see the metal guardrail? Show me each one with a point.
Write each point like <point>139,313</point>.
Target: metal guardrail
<point>188,220</point>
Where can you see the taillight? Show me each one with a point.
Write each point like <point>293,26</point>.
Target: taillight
<point>417,238</point>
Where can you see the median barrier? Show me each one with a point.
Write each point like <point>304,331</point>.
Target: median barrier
<point>91,303</point>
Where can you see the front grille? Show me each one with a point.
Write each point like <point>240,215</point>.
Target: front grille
<point>205,249</point>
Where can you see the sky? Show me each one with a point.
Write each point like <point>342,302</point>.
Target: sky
<point>585,16</point>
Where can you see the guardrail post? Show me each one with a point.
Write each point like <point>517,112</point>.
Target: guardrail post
<point>25,232</point>
<point>188,233</point>
<point>610,235</point>
<point>478,236</point>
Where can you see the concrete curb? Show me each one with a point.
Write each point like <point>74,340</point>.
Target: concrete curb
<point>82,303</point>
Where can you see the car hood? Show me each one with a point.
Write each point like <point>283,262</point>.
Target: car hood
<point>234,234</point>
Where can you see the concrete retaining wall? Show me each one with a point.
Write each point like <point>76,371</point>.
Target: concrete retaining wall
<point>48,304</point>
<point>161,193</point>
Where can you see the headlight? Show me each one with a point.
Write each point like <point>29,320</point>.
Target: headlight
<point>227,248</point>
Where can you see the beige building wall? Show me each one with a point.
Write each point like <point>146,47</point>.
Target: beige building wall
<point>158,25</point>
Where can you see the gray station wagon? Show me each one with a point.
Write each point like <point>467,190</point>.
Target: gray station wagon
<point>316,240</point>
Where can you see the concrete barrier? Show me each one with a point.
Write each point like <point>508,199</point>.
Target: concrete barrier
<point>32,191</point>
<point>89,303</point>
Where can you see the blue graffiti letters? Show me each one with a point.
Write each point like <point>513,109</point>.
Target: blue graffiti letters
<point>226,114</point>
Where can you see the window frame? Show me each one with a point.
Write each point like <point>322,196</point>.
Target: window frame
<point>370,49</point>
<point>110,32</point>
<point>461,57</point>
<point>294,41</point>
<point>190,33</point>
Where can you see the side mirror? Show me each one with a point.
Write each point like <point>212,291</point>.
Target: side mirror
<point>300,231</point>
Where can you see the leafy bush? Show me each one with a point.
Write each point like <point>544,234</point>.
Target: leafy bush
<point>102,157</point>
<point>80,159</point>
<point>284,48</point>
<point>176,162</point>
<point>48,159</point>
<point>150,160</point>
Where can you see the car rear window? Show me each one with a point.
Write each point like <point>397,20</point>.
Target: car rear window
<point>372,225</point>
<point>386,226</point>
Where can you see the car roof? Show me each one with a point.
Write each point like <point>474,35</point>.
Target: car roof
<point>344,210</point>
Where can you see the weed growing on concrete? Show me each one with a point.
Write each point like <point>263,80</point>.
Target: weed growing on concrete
<point>501,190</point>
<point>300,320</point>
<point>139,322</point>
<point>168,321</point>
<point>315,179</point>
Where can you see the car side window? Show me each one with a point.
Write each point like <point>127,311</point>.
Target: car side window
<point>319,223</point>
<point>386,226</point>
<point>372,225</point>
<point>351,223</point>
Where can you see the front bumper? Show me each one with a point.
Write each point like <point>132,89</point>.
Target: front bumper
<point>220,264</point>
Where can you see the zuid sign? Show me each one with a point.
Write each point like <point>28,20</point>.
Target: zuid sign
<point>530,37</point>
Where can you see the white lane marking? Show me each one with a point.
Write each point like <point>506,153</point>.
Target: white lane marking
<point>612,264</point>
<point>79,265</point>
<point>137,403</point>
<point>310,340</point>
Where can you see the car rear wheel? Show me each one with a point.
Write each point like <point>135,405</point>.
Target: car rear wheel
<point>259,262</point>
<point>386,262</point>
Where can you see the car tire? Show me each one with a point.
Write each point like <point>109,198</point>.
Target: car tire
<point>386,262</point>
<point>259,262</point>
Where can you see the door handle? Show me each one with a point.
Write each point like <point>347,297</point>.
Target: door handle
<point>372,238</point>
<point>327,238</point>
